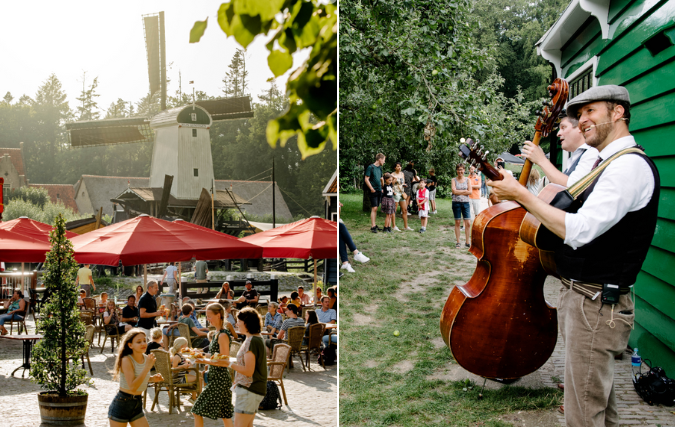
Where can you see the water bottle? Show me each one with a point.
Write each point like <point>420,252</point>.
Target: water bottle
<point>636,363</point>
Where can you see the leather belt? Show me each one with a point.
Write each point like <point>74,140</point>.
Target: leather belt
<point>591,290</point>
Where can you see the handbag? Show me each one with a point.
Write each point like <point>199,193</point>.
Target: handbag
<point>655,387</point>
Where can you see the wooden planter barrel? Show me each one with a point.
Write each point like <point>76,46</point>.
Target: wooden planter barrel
<point>62,411</point>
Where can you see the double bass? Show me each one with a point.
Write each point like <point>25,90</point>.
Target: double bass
<point>499,325</point>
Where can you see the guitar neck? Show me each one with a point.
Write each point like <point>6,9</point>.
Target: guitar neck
<point>527,167</point>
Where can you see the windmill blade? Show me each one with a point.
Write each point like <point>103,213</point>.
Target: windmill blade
<point>227,108</point>
<point>109,131</point>
<point>151,27</point>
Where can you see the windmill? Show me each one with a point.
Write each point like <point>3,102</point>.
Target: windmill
<point>182,166</point>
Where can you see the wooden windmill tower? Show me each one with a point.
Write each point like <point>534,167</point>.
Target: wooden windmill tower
<point>182,166</point>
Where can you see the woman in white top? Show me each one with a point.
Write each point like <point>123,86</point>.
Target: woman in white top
<point>134,366</point>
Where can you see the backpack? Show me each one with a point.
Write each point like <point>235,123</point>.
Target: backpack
<point>272,399</point>
<point>328,356</point>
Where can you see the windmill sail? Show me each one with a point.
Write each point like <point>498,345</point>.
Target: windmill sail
<point>152,46</point>
<point>109,131</point>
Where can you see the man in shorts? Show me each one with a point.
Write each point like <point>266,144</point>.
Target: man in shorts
<point>373,180</point>
<point>422,195</point>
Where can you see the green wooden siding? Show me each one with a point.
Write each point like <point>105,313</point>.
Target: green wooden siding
<point>650,80</point>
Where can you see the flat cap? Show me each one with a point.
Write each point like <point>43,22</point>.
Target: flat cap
<point>612,93</point>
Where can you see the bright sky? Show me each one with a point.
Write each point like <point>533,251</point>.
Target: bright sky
<point>106,39</point>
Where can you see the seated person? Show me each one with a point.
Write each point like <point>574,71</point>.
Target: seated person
<point>326,314</point>
<point>156,337</point>
<point>273,319</point>
<point>304,298</point>
<point>225,292</point>
<point>293,320</point>
<point>103,300</point>
<point>15,311</point>
<point>194,330</point>
<point>111,321</point>
<point>310,319</point>
<point>332,293</point>
<point>317,297</point>
<point>249,298</point>
<point>130,314</point>
<point>283,303</point>
<point>178,361</point>
<point>295,299</point>
<point>80,299</point>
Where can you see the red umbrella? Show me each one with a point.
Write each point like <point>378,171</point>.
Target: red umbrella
<point>145,239</point>
<point>15,247</point>
<point>313,237</point>
<point>31,228</point>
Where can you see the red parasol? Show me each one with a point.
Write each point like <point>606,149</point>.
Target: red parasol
<point>145,239</point>
<point>313,237</point>
<point>31,228</point>
<point>15,247</point>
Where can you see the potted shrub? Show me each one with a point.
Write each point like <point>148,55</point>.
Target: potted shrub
<point>61,403</point>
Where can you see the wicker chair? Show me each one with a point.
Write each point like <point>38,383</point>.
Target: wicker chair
<point>277,364</point>
<point>234,349</point>
<point>21,324</point>
<point>89,304</point>
<point>305,310</point>
<point>112,337</point>
<point>294,339</point>
<point>163,366</point>
<point>314,342</point>
<point>261,309</point>
<point>89,342</point>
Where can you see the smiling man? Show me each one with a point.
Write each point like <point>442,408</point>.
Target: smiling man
<point>573,141</point>
<point>607,232</point>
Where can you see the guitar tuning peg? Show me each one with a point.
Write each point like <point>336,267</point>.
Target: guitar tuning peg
<point>482,147</point>
<point>485,155</point>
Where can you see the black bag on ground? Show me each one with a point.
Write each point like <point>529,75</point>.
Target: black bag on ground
<point>655,387</point>
<point>328,356</point>
<point>272,399</point>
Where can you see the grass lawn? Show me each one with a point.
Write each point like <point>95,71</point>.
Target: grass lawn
<point>408,380</point>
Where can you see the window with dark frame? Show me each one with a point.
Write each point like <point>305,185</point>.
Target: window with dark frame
<point>581,83</point>
<point>196,172</point>
<point>194,132</point>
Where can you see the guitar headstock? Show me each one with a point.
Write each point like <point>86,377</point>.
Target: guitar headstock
<point>558,91</point>
<point>475,156</point>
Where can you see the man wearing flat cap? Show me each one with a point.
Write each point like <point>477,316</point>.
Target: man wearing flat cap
<point>607,232</point>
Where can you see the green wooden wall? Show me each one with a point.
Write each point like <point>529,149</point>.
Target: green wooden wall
<point>649,76</point>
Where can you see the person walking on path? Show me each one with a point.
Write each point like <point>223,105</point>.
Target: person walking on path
<point>460,204</point>
<point>250,380</point>
<point>85,279</point>
<point>201,271</point>
<point>606,236</point>
<point>401,196</point>
<point>170,278</point>
<point>373,180</point>
<point>476,184</point>
<point>132,367</point>
<point>345,241</point>
<point>215,401</point>
<point>432,189</point>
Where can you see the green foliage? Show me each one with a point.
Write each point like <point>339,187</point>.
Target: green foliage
<point>61,325</point>
<point>35,195</point>
<point>88,107</point>
<point>414,82</point>
<point>312,88</point>
<point>236,78</point>
<point>48,213</point>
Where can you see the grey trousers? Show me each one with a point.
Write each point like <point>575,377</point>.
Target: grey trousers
<point>87,288</point>
<point>593,334</point>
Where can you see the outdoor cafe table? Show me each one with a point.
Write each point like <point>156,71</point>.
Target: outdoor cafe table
<point>28,341</point>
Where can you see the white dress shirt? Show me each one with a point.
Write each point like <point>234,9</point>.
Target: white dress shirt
<point>626,185</point>
<point>584,166</point>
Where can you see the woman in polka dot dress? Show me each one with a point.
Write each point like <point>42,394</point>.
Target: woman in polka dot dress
<point>216,399</point>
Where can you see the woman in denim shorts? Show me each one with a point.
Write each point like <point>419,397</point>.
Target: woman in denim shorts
<point>461,190</point>
<point>133,369</point>
<point>250,381</point>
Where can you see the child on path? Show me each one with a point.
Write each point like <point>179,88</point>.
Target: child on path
<point>388,205</point>
<point>133,369</point>
<point>423,203</point>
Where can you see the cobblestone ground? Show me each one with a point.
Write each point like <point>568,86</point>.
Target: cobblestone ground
<point>312,396</point>
<point>632,409</point>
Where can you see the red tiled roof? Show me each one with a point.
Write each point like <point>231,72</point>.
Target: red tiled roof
<point>65,193</point>
<point>17,158</point>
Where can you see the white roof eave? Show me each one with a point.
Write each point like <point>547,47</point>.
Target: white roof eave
<point>550,45</point>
